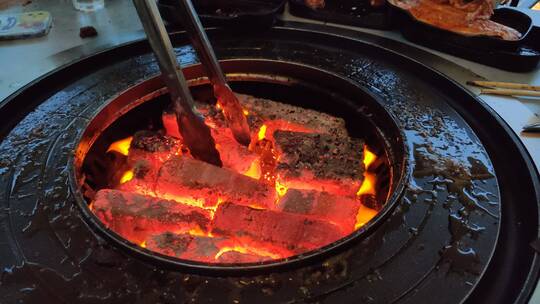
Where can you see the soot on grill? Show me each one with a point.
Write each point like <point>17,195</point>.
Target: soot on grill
<point>303,183</point>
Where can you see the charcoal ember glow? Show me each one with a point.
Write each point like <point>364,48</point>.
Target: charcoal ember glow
<point>135,216</point>
<point>298,186</point>
<point>239,257</point>
<point>293,231</point>
<point>182,176</point>
<point>234,156</point>
<point>315,4</point>
<point>170,124</point>
<point>149,150</point>
<point>339,210</point>
<point>199,248</point>
<point>322,161</point>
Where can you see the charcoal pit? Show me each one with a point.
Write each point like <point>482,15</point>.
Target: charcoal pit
<point>355,170</point>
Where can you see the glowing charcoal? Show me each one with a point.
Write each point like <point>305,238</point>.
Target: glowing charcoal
<point>239,257</point>
<point>170,124</point>
<point>182,176</point>
<point>233,155</point>
<point>135,216</point>
<point>319,161</point>
<point>300,185</point>
<point>339,210</point>
<point>293,231</point>
<point>200,248</point>
<point>289,117</point>
<point>149,150</point>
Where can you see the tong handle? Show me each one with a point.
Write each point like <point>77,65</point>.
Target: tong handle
<point>199,39</point>
<point>195,133</point>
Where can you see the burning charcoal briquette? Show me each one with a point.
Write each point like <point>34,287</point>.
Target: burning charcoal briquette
<point>149,150</point>
<point>263,110</point>
<point>233,155</point>
<point>181,176</point>
<point>333,164</point>
<point>293,231</point>
<point>339,210</point>
<point>135,216</point>
<point>199,248</point>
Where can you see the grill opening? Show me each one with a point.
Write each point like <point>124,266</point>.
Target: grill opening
<point>142,188</point>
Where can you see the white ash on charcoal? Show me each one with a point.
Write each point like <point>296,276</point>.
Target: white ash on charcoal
<point>156,142</point>
<point>263,111</point>
<point>339,210</point>
<point>294,232</point>
<point>181,176</point>
<point>330,163</point>
<point>199,248</point>
<point>234,257</point>
<point>147,153</point>
<point>149,150</point>
<point>233,155</point>
<point>136,217</point>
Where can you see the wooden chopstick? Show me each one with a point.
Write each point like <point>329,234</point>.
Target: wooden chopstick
<point>510,92</point>
<point>504,85</point>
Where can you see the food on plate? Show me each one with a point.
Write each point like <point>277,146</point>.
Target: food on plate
<point>470,18</point>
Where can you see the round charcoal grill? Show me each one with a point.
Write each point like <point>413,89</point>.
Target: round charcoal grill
<point>142,105</point>
<point>462,211</point>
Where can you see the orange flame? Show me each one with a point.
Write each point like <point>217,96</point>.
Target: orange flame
<point>368,185</point>
<point>121,146</point>
<point>369,157</point>
<point>246,112</point>
<point>363,216</point>
<point>247,250</point>
<point>254,170</point>
<point>197,232</point>
<point>143,244</point>
<point>281,189</point>
<point>228,249</point>
<point>126,177</point>
<point>262,132</point>
<point>188,200</point>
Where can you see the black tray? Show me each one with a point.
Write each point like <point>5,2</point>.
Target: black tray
<point>521,55</point>
<point>348,12</point>
<point>236,13</point>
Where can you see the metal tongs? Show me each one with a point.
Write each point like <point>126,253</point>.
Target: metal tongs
<point>195,132</point>
<point>230,105</point>
<point>534,127</point>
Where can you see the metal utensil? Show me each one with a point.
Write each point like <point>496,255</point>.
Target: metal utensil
<point>534,127</point>
<point>226,99</point>
<point>194,131</point>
